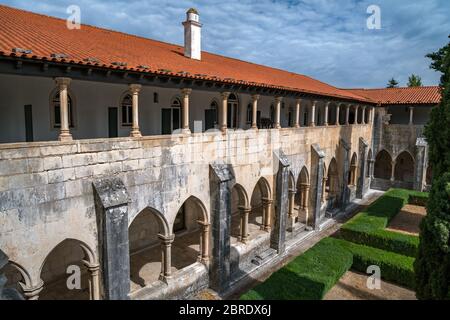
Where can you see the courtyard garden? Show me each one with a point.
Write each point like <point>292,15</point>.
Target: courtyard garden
<point>384,234</point>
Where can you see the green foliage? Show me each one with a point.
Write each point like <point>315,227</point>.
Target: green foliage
<point>395,268</point>
<point>368,227</point>
<point>392,83</point>
<point>433,261</point>
<point>309,277</point>
<point>414,81</point>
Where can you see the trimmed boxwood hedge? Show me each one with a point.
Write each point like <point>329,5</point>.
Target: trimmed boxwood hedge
<point>395,268</point>
<point>368,227</point>
<point>308,277</point>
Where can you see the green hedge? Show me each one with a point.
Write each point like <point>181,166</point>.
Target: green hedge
<point>368,227</point>
<point>394,267</point>
<point>308,277</point>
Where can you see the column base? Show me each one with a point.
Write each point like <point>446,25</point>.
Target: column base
<point>312,124</point>
<point>165,279</point>
<point>277,126</point>
<point>255,128</point>
<point>64,137</point>
<point>186,131</point>
<point>297,126</point>
<point>135,134</point>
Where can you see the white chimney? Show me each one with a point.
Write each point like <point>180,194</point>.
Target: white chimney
<point>192,35</point>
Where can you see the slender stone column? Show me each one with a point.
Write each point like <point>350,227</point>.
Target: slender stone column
<point>245,212</point>
<point>204,242</point>
<point>305,202</point>
<point>347,115</point>
<point>224,113</point>
<point>324,183</point>
<point>297,113</point>
<point>361,186</point>
<point>63,87</point>
<point>364,115</point>
<point>372,168</point>
<point>317,158</point>
<point>32,293</point>
<point>327,105</point>
<point>255,99</point>
<point>278,101</point>
<point>267,214</point>
<point>186,93</point>
<point>135,89</point>
<point>312,122</point>
<point>393,171</point>
<point>94,280</point>
<point>166,254</point>
<point>292,215</point>
<point>356,114</point>
<point>411,116</point>
<point>338,116</point>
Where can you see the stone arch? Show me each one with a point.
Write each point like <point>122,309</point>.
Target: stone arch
<point>163,224</point>
<point>17,277</point>
<point>383,165</point>
<point>353,170</point>
<point>404,167</point>
<point>261,204</point>
<point>239,203</point>
<point>53,271</point>
<point>332,185</point>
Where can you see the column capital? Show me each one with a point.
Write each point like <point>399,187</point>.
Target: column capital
<point>135,88</point>
<point>63,82</point>
<point>245,209</point>
<point>327,104</point>
<point>225,95</point>
<point>255,97</point>
<point>32,292</point>
<point>186,91</point>
<point>298,100</point>
<point>279,99</point>
<point>166,240</point>
<point>293,191</point>
<point>267,201</point>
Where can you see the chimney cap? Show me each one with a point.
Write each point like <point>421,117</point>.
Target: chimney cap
<point>192,10</point>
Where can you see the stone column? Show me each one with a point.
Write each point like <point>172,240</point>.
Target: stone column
<point>186,93</point>
<point>361,186</point>
<point>364,115</point>
<point>372,120</point>
<point>305,202</point>
<point>278,101</point>
<point>411,116</point>
<point>278,235</point>
<point>224,112</point>
<point>204,249</point>
<point>32,293</point>
<point>318,156</point>
<point>356,114</point>
<point>312,122</point>
<point>135,89</point>
<point>267,214</point>
<point>292,215</point>
<point>327,105</point>
<point>420,164</point>
<point>221,182</point>
<point>338,117</point>
<point>324,183</point>
<point>245,212</point>
<point>94,280</point>
<point>372,168</point>
<point>63,87</point>
<point>111,203</point>
<point>393,171</point>
<point>297,113</point>
<point>345,191</point>
<point>347,115</point>
<point>166,255</point>
<point>255,99</point>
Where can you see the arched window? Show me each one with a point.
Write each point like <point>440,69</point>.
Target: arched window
<point>171,117</point>
<point>232,110</point>
<point>249,113</point>
<point>56,111</point>
<point>127,111</point>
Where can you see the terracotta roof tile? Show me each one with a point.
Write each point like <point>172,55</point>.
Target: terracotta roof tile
<point>414,95</point>
<point>47,35</point>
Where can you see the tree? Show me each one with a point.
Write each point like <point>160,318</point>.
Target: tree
<point>432,266</point>
<point>392,83</point>
<point>414,81</point>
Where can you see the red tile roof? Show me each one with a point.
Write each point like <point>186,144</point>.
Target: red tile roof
<point>414,95</point>
<point>48,35</point>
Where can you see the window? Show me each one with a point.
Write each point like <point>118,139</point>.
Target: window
<point>127,111</point>
<point>272,113</point>
<point>171,117</point>
<point>155,97</point>
<point>305,119</point>
<point>56,109</point>
<point>232,111</point>
<point>249,113</point>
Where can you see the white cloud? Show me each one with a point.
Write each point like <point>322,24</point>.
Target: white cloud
<point>327,40</point>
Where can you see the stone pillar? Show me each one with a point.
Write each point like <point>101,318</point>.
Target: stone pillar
<point>297,113</point>
<point>185,127</point>
<point>63,87</point>
<point>372,168</point>
<point>363,115</point>
<point>312,122</point>
<point>372,121</point>
<point>204,248</point>
<point>361,187</point>
<point>111,201</point>
<point>267,214</point>
<point>221,181</point>
<point>305,202</point>
<point>411,116</point>
<point>255,99</point>
<point>278,101</point>
<point>292,215</point>
<point>338,117</point>
<point>224,112</point>
<point>94,280</point>
<point>278,236</point>
<point>32,293</point>
<point>135,89</point>
<point>327,105</point>
<point>347,115</point>
<point>166,255</point>
<point>356,114</point>
<point>318,156</point>
<point>393,163</point>
<point>324,184</point>
<point>420,164</point>
<point>245,212</point>
<point>345,191</point>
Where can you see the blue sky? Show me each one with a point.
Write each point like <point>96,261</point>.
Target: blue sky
<point>327,40</point>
